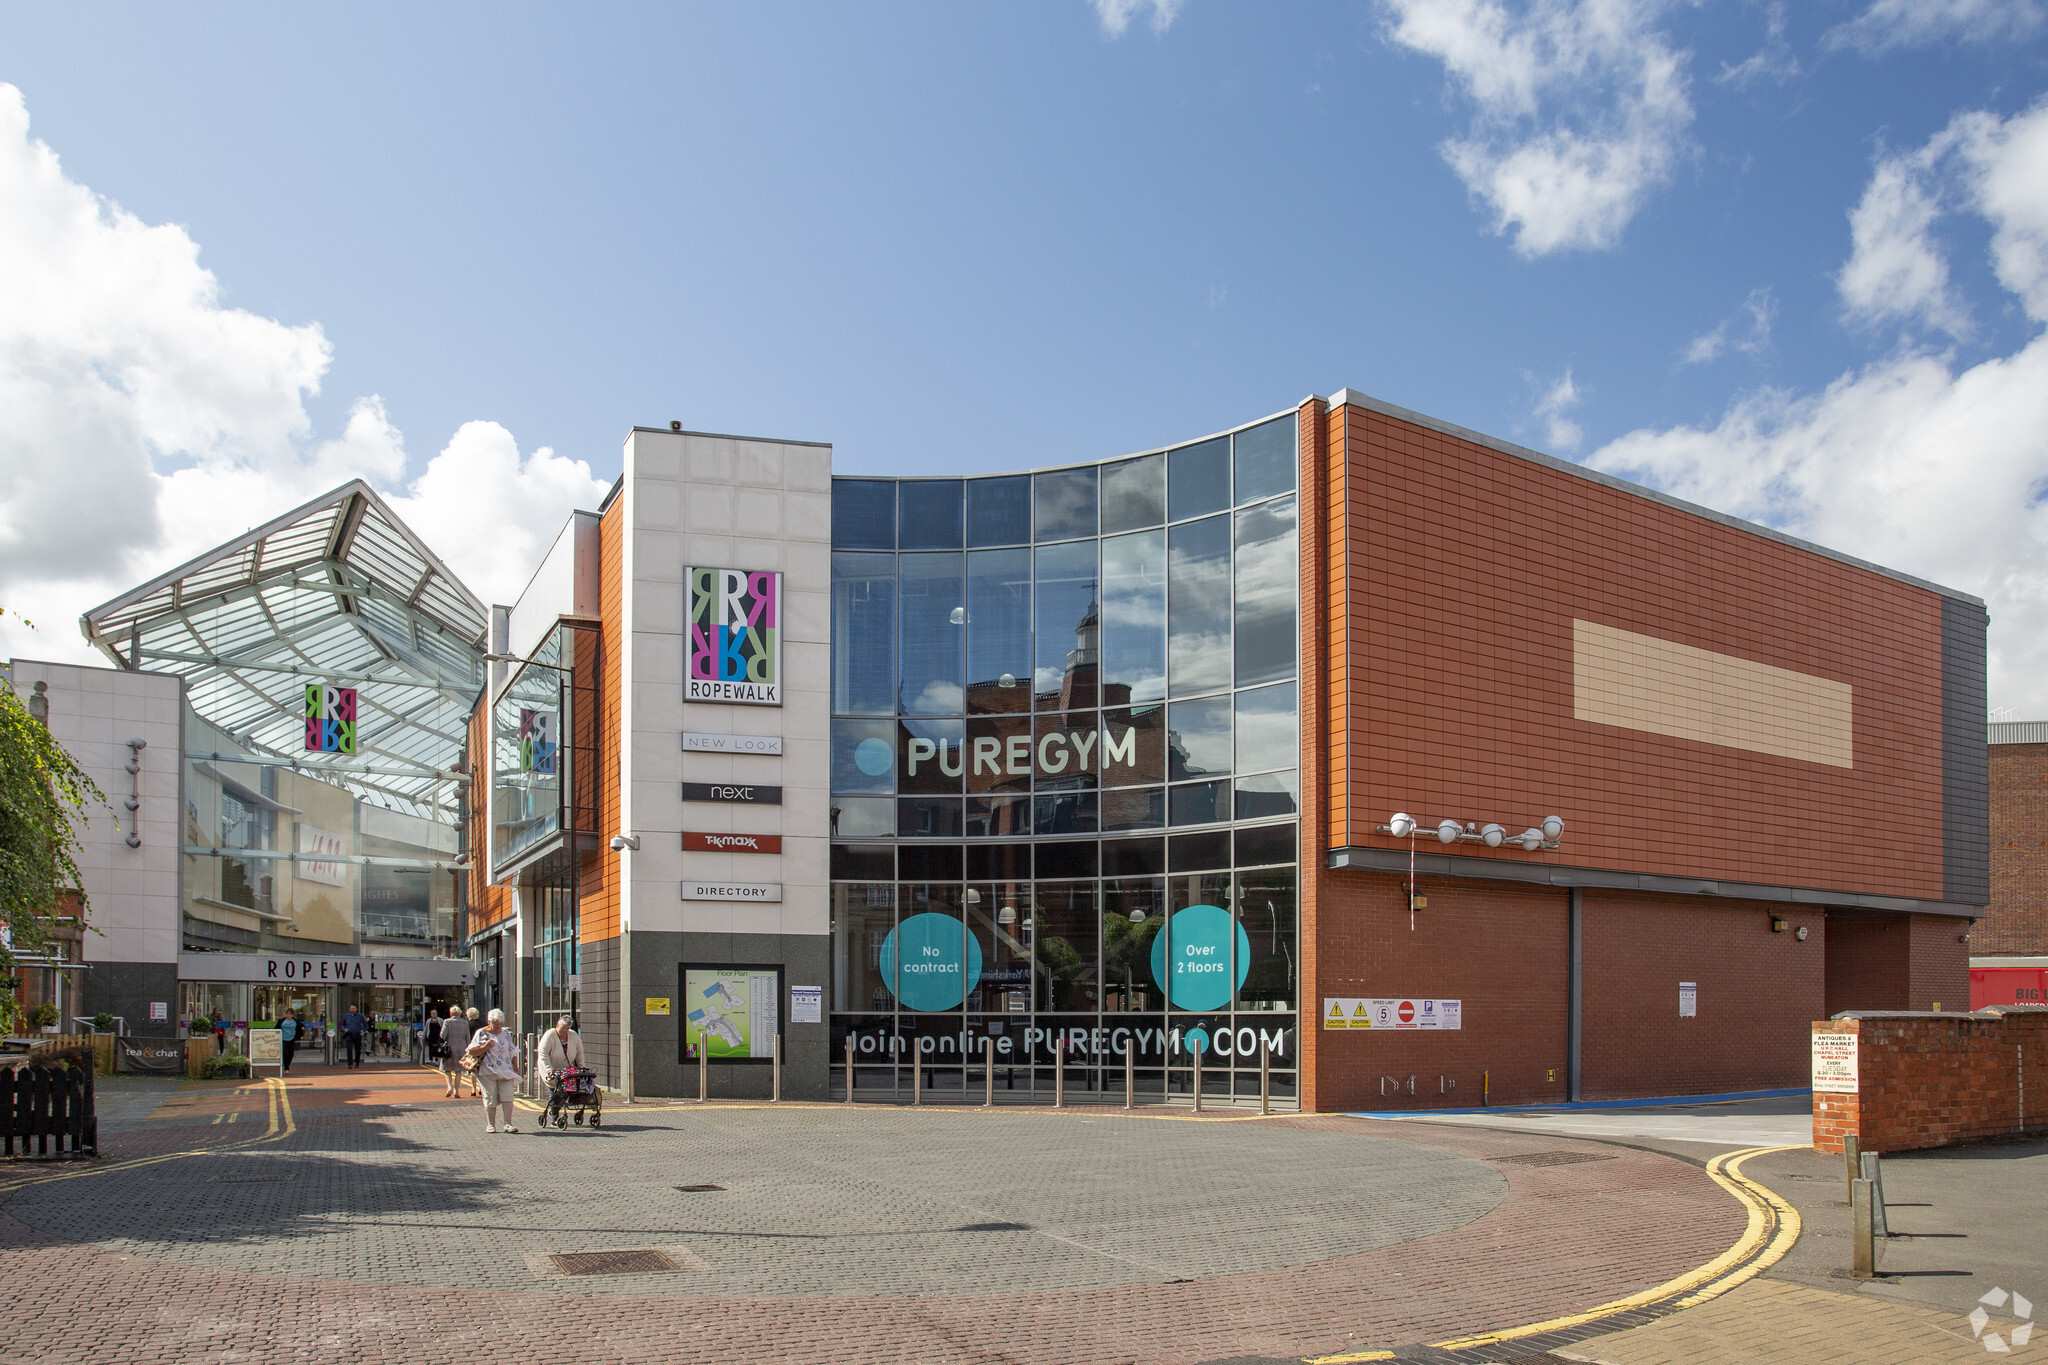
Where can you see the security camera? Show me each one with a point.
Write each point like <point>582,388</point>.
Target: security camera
<point>621,842</point>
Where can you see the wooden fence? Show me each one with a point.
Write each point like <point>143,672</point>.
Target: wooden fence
<point>102,1045</point>
<point>46,1103</point>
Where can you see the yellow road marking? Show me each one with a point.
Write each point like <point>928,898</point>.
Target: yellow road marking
<point>282,1125</point>
<point>1759,1248</point>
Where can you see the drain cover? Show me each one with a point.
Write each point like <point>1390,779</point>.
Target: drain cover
<point>1550,1158</point>
<point>612,1262</point>
<point>698,1189</point>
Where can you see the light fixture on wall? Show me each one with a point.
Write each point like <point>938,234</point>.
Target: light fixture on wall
<point>1778,925</point>
<point>1548,835</point>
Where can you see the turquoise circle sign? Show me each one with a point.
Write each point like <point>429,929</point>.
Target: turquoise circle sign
<point>1200,939</point>
<point>921,956</point>
<point>874,757</point>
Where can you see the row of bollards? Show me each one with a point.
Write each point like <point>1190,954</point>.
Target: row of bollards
<point>1059,1092</point>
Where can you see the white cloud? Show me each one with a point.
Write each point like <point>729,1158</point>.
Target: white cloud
<point>1116,15</point>
<point>1580,110</point>
<point>146,422</point>
<point>1910,462</point>
<point>1774,61</point>
<point>1895,272</point>
<point>1915,23</point>
<point>1559,431</point>
<point>1747,329</point>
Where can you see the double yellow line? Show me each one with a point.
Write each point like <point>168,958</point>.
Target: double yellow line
<point>1772,1229</point>
<point>282,1126</point>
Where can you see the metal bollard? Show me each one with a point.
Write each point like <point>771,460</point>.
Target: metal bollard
<point>1130,1074</point>
<point>1059,1074</point>
<point>1873,1171</point>
<point>849,1069</point>
<point>988,1058</point>
<point>1265,1077</point>
<point>1198,1078</point>
<point>916,1075</point>
<point>775,1096</point>
<point>1862,1232</point>
<point>703,1072</point>
<point>1851,1162</point>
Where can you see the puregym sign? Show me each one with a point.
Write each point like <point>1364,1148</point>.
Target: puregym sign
<point>1012,751</point>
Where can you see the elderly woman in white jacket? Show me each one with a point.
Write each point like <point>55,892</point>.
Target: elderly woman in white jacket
<point>561,1047</point>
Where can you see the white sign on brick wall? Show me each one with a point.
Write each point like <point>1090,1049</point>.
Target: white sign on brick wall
<point>1834,1063</point>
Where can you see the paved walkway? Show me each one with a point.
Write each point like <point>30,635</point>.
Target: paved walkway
<point>330,1218</point>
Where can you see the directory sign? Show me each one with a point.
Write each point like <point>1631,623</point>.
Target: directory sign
<point>731,1011</point>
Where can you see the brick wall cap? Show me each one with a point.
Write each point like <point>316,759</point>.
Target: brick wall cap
<point>1994,963</point>
<point>1930,1014</point>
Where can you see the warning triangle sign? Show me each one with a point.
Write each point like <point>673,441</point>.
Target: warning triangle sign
<point>1336,1010</point>
<point>1359,1013</point>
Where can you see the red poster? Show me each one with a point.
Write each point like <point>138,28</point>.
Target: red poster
<point>731,843</point>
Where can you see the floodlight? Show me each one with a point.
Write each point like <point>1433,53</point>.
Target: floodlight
<point>1402,825</point>
<point>1530,840</point>
<point>1448,831</point>
<point>1493,836</point>
<point>1553,827</point>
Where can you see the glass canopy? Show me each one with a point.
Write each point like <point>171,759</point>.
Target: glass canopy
<point>338,594</point>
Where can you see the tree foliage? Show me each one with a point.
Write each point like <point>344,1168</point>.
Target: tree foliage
<point>43,800</point>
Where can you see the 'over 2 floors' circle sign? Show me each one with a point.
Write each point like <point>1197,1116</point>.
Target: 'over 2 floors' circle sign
<point>1205,971</point>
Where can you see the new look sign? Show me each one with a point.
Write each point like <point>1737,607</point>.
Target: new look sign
<point>734,624</point>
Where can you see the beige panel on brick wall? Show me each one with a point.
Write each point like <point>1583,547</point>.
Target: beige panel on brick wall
<point>1639,682</point>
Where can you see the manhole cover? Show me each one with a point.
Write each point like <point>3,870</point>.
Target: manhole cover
<point>698,1189</point>
<point>612,1262</point>
<point>1550,1158</point>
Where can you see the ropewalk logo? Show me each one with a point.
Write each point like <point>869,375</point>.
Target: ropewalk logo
<point>1981,1320</point>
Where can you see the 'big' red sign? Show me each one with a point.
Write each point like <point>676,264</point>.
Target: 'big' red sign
<point>731,843</point>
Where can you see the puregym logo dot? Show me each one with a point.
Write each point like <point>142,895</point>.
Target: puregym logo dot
<point>1995,1343</point>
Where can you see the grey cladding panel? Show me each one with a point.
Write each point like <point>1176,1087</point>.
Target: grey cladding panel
<point>1965,764</point>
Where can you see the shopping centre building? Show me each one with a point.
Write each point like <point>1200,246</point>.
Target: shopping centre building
<point>1348,752</point>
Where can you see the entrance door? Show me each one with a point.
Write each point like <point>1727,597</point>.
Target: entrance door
<point>391,1011</point>
<point>310,1005</point>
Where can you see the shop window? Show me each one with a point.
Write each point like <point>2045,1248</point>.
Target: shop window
<point>1198,852</point>
<point>931,514</point>
<point>863,514</point>
<point>928,817</point>
<point>929,862</point>
<point>999,511</point>
<point>1074,812</point>
<point>1133,857</point>
<point>1130,808</point>
<point>863,863</point>
<point>863,817</point>
<point>1066,859</point>
<point>998,862</point>
<point>1266,457</point>
<point>997,817</point>
<point>1264,844</point>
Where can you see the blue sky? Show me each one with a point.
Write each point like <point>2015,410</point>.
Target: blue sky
<point>950,237</point>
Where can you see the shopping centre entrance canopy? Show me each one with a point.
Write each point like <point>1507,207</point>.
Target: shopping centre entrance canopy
<point>339,593</point>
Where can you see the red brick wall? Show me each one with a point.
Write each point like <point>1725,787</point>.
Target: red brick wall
<point>1466,567</point>
<point>1940,973</point>
<point>1869,963</point>
<point>1757,995</point>
<point>1502,950</point>
<point>2016,923</point>
<point>1934,1081</point>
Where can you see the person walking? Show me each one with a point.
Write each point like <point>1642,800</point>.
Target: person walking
<point>454,1041</point>
<point>353,1025</point>
<point>561,1047</point>
<point>430,1039</point>
<point>288,1030</point>
<point>494,1054</point>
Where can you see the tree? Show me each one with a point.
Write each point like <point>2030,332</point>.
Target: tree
<point>43,799</point>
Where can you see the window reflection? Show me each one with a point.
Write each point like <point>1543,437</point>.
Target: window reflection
<point>1134,618</point>
<point>1267,590</point>
<point>1064,930</point>
<point>934,612</point>
<point>998,631</point>
<point>1133,493</point>
<point>1198,738</point>
<point>1065,504</point>
<point>1268,734</point>
<point>1268,794</point>
<point>1198,479</point>
<point>1133,748</point>
<point>1266,457</point>
<point>863,634</point>
<point>1198,606</point>
<point>1069,622</point>
<point>863,514</point>
<point>931,514</point>
<point>999,511</point>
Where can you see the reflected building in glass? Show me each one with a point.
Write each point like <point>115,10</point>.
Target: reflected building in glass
<point>1064,766</point>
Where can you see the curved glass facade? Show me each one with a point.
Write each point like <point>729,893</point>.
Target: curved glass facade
<point>1064,748</point>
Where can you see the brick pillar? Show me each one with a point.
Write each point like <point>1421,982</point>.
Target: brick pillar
<point>1318,526</point>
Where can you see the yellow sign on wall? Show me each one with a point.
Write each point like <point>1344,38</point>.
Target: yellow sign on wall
<point>657,1004</point>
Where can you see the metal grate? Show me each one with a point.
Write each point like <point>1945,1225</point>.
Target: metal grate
<point>698,1189</point>
<point>1550,1158</point>
<point>612,1262</point>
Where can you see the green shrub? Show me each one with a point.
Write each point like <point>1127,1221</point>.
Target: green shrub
<point>228,1064</point>
<point>42,1016</point>
<point>103,1022</point>
<point>201,1024</point>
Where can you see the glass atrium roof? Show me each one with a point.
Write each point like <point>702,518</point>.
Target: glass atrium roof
<point>338,592</point>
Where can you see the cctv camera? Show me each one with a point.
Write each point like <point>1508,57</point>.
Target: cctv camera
<point>625,841</point>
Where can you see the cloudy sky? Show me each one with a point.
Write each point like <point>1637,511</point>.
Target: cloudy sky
<point>1790,261</point>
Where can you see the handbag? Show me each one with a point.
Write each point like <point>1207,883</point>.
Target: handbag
<point>474,1056</point>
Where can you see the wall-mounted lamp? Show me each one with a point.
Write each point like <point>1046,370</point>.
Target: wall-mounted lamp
<point>1548,836</point>
<point>622,842</point>
<point>1777,924</point>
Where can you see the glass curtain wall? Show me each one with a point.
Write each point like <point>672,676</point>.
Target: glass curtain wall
<point>1064,774</point>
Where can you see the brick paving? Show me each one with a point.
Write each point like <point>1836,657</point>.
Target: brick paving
<point>389,1224</point>
<point>1770,1322</point>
